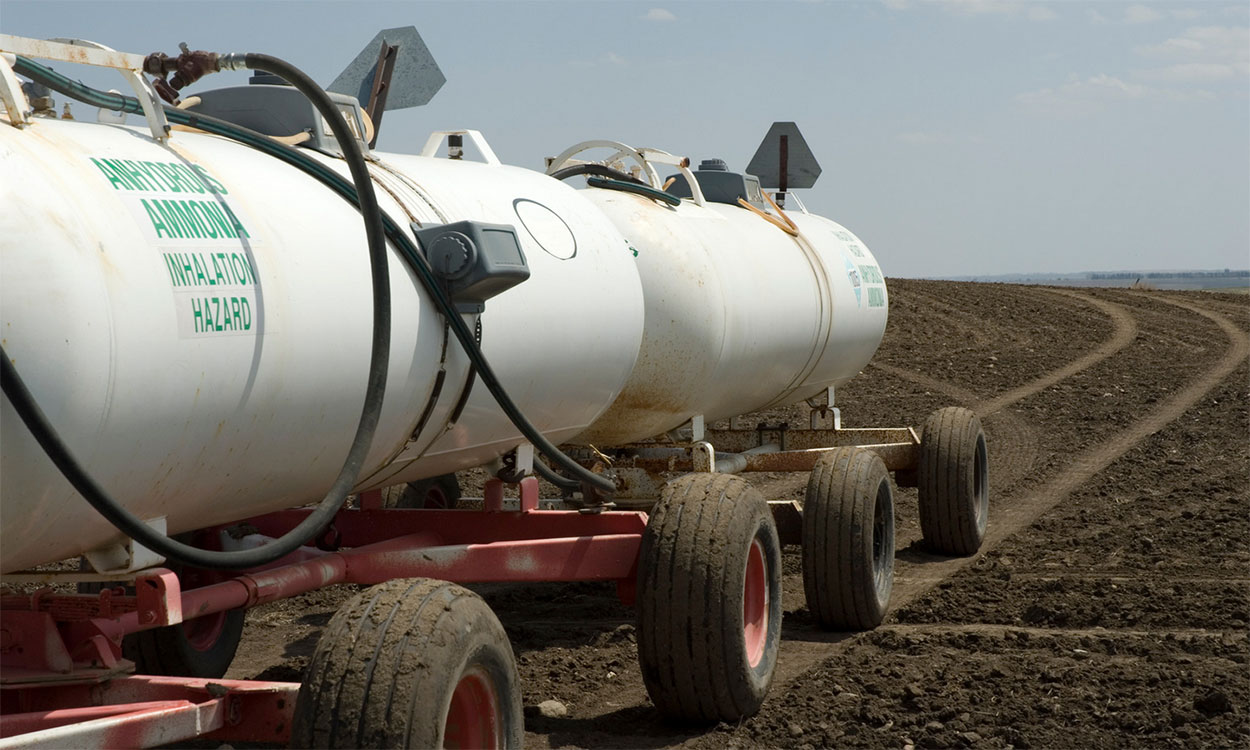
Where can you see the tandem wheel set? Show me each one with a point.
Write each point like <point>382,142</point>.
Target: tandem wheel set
<point>417,660</point>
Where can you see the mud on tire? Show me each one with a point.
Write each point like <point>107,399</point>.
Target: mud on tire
<point>709,599</point>
<point>953,481</point>
<point>848,540</point>
<point>412,663</point>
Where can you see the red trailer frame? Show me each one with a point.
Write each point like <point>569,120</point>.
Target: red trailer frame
<point>64,682</point>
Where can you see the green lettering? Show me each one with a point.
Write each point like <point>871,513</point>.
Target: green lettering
<point>234,311</point>
<point>176,275</point>
<point>212,184</point>
<point>200,209</point>
<point>199,270</point>
<point>110,174</point>
<point>136,175</point>
<point>239,231</point>
<point>167,177</point>
<point>171,217</point>
<point>242,268</point>
<point>213,212</point>
<point>119,173</point>
<point>220,277</point>
<point>189,180</point>
<point>197,315</point>
<point>187,217</point>
<point>246,309</point>
<point>157,224</point>
<point>154,176</point>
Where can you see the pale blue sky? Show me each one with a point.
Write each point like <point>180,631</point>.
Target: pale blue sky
<point>957,136</point>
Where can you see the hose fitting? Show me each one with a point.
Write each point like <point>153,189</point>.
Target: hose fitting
<point>188,67</point>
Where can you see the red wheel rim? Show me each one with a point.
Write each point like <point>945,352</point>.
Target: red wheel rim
<point>473,716</point>
<point>202,632</point>
<point>436,499</point>
<point>755,605</point>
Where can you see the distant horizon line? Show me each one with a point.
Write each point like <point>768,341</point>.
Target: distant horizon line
<point>1227,272</point>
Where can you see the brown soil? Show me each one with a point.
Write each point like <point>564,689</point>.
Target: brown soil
<point>1107,608</point>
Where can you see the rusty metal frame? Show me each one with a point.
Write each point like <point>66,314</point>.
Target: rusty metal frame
<point>64,682</point>
<point>87,52</point>
<point>142,711</point>
<point>642,468</point>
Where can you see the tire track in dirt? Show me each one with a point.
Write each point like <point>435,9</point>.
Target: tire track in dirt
<point>928,629</point>
<point>799,656</point>
<point>1024,511</point>
<point>1125,331</point>
<point>1013,445</point>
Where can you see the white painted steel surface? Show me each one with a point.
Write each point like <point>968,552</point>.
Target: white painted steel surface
<point>209,426</point>
<point>739,315</point>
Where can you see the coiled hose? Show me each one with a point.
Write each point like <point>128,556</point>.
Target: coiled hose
<point>126,522</point>
<point>316,521</point>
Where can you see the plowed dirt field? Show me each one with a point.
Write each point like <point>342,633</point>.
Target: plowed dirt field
<point>1107,608</point>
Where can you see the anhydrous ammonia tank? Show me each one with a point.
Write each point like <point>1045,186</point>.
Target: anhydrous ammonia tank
<point>194,318</point>
<point>740,315</point>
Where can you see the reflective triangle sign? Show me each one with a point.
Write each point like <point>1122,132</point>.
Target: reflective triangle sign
<point>784,153</point>
<point>416,78</point>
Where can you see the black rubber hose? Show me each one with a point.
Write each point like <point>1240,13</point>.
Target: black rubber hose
<point>316,521</point>
<point>645,191</point>
<point>595,169</point>
<point>559,480</point>
<point>416,260</point>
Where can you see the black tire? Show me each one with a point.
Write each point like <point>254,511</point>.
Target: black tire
<point>954,483</point>
<point>709,553</point>
<point>411,664</point>
<point>848,540</point>
<point>203,647</point>
<point>441,492</point>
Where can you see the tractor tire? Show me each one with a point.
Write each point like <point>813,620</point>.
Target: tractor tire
<point>412,663</point>
<point>954,483</point>
<point>709,599</point>
<point>848,540</point>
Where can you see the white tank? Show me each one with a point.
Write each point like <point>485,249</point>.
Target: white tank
<point>740,315</point>
<point>195,319</point>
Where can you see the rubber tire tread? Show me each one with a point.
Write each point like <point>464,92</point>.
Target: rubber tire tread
<point>838,515</point>
<point>385,667</point>
<point>690,599</point>
<point>947,488</point>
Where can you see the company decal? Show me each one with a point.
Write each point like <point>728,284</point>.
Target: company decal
<point>852,274</point>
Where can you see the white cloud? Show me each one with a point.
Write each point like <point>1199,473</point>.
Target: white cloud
<point>1195,72</point>
<point>1202,53</point>
<point>1097,18</point>
<point>1029,9</point>
<point>1141,14</point>
<point>1186,14</point>
<point>659,15</point>
<point>1086,96</point>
